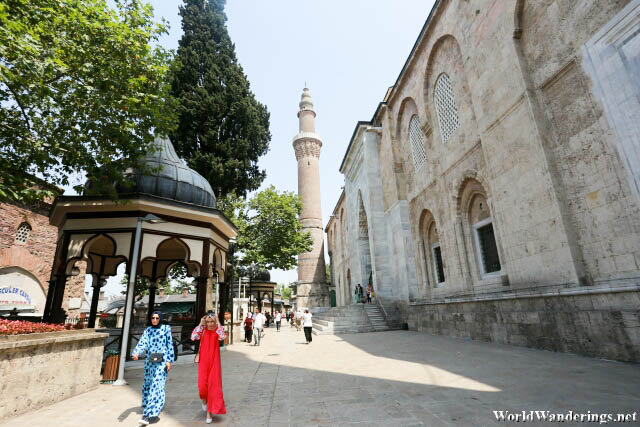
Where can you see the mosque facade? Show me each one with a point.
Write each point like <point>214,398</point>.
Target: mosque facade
<point>495,192</point>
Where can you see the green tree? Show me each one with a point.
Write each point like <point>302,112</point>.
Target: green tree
<point>284,291</point>
<point>175,283</point>
<point>81,91</point>
<point>222,129</point>
<point>269,230</point>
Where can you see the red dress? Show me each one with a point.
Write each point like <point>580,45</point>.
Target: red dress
<point>209,370</point>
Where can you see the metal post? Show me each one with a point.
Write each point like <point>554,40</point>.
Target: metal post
<point>129,304</point>
<point>215,305</point>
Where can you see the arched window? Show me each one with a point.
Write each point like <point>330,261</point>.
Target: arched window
<point>446,108</point>
<point>416,138</point>
<point>432,251</point>
<point>484,236</point>
<point>436,254</point>
<point>22,234</point>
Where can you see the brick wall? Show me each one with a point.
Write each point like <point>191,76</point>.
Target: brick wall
<point>37,253</point>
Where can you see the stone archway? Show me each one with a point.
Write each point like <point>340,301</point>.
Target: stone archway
<point>364,250</point>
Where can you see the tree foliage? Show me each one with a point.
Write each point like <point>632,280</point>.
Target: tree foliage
<point>284,291</point>
<point>269,230</point>
<point>175,283</point>
<point>222,129</point>
<point>81,91</point>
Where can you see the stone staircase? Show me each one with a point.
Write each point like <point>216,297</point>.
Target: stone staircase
<point>349,319</point>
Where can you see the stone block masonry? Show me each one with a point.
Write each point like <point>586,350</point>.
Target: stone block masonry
<point>39,369</point>
<point>593,323</point>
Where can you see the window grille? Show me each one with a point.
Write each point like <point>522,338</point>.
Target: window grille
<point>23,233</point>
<point>437,261</point>
<point>488,248</point>
<point>416,137</point>
<point>446,108</point>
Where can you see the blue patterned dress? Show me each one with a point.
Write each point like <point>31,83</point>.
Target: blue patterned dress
<point>155,340</point>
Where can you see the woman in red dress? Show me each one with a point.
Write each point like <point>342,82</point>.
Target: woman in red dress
<point>209,332</point>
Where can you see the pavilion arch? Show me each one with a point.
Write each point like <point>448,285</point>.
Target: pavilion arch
<point>169,252</point>
<point>218,265</point>
<point>478,225</point>
<point>100,252</point>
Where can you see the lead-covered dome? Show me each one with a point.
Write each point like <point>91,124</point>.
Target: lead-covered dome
<point>167,176</point>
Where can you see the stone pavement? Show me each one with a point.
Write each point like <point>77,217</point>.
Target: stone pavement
<point>397,378</point>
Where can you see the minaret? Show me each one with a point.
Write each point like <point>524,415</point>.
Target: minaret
<point>312,290</point>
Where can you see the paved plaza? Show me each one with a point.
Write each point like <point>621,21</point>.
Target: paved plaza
<point>394,378</point>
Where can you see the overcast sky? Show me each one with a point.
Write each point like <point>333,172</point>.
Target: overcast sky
<point>347,51</point>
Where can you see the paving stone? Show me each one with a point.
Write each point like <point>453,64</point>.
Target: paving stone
<point>407,379</point>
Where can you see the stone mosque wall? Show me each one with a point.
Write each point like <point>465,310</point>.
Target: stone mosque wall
<point>500,178</point>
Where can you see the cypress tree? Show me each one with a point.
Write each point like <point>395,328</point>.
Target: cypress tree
<point>222,129</point>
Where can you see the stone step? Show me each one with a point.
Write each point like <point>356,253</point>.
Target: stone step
<point>345,323</point>
<point>342,331</point>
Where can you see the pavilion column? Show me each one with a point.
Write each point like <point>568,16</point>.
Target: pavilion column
<point>272,302</point>
<point>57,315</point>
<point>97,279</point>
<point>55,281</point>
<point>152,301</point>
<point>201,298</point>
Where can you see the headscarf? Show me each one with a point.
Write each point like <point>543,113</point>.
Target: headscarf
<point>159,313</point>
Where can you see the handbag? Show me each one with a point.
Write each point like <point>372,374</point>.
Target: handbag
<point>156,357</point>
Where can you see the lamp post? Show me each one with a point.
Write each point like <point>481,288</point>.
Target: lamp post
<point>128,307</point>
<point>215,304</point>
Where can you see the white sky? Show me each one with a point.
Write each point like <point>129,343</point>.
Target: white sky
<point>348,51</point>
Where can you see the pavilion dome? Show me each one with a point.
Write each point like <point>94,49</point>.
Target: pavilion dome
<point>167,176</point>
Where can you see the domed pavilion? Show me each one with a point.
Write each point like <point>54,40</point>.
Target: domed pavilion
<point>167,215</point>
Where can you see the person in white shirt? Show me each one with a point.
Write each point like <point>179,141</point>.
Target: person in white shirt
<point>307,324</point>
<point>278,320</point>
<point>258,322</point>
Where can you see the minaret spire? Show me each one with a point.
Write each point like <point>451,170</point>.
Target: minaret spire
<point>311,290</point>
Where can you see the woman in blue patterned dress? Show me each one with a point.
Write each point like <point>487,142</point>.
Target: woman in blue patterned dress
<point>155,339</point>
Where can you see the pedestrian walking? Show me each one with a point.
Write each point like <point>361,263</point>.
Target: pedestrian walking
<point>268,317</point>
<point>307,324</point>
<point>357,294</point>
<point>278,320</point>
<point>369,292</point>
<point>210,333</point>
<point>248,328</point>
<point>361,290</point>
<point>258,323</point>
<point>298,320</point>
<point>157,343</point>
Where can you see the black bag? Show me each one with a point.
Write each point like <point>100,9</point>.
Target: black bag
<point>156,357</point>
